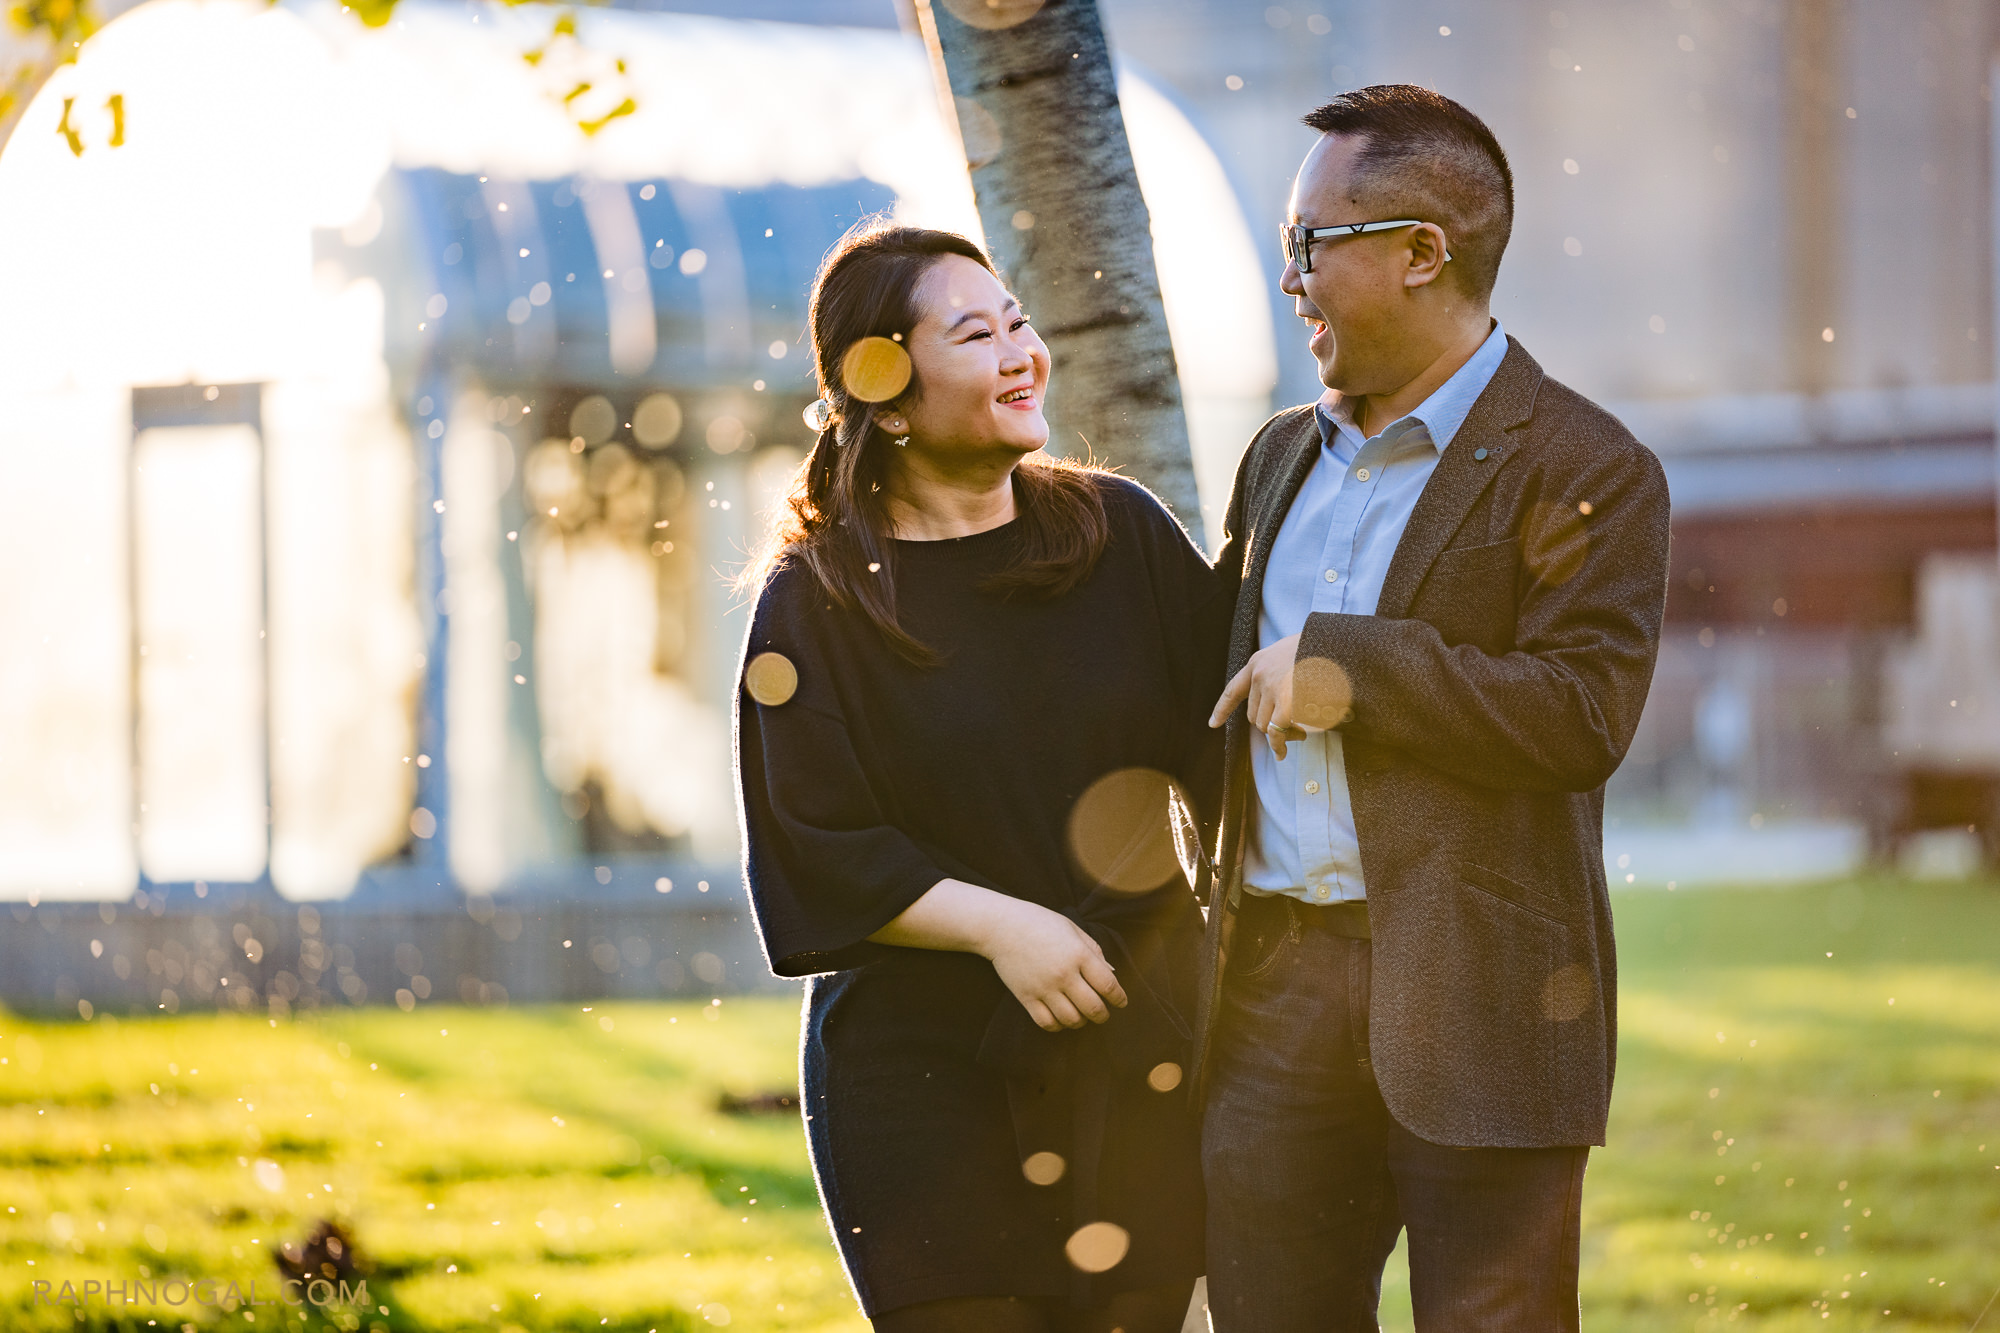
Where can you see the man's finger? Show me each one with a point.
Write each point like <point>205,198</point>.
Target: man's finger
<point>1064,1011</point>
<point>1039,1013</point>
<point>1232,695</point>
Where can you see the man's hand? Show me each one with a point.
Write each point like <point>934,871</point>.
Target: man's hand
<point>1266,682</point>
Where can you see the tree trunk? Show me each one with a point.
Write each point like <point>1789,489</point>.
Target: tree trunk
<point>1037,109</point>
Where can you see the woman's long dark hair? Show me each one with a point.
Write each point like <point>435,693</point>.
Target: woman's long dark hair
<point>836,518</point>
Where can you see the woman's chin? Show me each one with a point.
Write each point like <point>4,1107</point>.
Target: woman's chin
<point>1027,435</point>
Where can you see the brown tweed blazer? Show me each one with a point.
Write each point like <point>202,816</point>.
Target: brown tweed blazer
<point>1485,703</point>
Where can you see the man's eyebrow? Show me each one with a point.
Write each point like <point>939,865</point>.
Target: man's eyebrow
<point>1011,304</point>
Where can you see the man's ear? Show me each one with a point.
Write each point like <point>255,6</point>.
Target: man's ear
<point>1428,255</point>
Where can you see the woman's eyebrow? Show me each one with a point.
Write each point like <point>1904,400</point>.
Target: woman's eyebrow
<point>1011,304</point>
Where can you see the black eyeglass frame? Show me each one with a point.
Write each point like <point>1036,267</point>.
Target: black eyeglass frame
<point>1296,241</point>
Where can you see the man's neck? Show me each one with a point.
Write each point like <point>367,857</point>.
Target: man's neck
<point>929,504</point>
<point>1373,412</point>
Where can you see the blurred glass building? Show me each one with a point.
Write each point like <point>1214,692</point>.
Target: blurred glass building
<point>393,407</point>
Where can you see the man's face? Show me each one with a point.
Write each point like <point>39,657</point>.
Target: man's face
<point>1356,295</point>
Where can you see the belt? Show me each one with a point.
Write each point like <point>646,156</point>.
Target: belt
<point>1349,919</point>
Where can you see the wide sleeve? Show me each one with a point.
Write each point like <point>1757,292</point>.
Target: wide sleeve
<point>1194,605</point>
<point>825,864</point>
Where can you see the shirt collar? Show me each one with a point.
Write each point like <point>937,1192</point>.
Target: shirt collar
<point>1442,413</point>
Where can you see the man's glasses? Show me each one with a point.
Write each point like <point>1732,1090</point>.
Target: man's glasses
<point>1297,241</point>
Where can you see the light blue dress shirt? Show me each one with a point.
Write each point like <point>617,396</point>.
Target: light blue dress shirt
<point>1332,554</point>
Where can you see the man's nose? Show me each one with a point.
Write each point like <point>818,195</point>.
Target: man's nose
<point>1289,282</point>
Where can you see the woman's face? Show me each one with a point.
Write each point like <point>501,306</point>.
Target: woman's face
<point>981,369</point>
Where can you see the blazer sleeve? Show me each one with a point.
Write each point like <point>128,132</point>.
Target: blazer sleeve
<point>825,864</point>
<point>1555,714</point>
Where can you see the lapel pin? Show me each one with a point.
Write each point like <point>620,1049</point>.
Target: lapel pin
<point>1479,455</point>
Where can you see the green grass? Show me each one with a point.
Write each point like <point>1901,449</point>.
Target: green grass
<point>1765,1079</point>
<point>531,1168</point>
<point>623,1196</point>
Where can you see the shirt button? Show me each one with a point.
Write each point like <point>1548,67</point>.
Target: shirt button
<point>1361,474</point>
<point>1312,788</point>
<point>1323,891</point>
<point>1333,576</point>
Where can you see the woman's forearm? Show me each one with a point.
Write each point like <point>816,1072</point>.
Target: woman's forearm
<point>954,916</point>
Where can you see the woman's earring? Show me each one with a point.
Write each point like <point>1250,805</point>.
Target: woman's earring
<point>902,440</point>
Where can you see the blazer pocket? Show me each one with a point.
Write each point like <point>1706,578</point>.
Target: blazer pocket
<point>1469,595</point>
<point>1493,882</point>
<point>1465,559</point>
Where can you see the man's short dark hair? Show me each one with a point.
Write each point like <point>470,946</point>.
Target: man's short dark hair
<point>1424,156</point>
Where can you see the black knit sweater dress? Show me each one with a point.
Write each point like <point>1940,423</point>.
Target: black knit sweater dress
<point>1034,761</point>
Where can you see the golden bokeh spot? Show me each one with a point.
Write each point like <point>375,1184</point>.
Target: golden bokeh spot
<point>1120,832</point>
<point>593,419</point>
<point>657,420</point>
<point>1044,1168</point>
<point>726,434</point>
<point>1322,694</point>
<point>1098,1247</point>
<point>978,131</point>
<point>1556,542</point>
<point>771,679</point>
<point>875,370</point>
<point>993,14</point>
<point>1164,1076</point>
<point>1567,993</point>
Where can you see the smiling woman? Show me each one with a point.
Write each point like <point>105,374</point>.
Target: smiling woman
<point>957,818</point>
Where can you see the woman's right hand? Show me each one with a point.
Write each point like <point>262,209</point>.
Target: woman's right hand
<point>1053,967</point>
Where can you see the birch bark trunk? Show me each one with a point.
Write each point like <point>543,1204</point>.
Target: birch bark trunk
<point>1036,104</point>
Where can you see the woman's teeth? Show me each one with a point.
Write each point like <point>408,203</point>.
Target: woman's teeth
<point>1016,395</point>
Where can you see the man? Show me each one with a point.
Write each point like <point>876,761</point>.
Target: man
<point>1450,575</point>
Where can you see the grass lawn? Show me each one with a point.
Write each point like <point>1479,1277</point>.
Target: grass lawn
<point>545,1168</point>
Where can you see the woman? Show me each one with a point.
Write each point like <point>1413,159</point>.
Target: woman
<point>971,676</point>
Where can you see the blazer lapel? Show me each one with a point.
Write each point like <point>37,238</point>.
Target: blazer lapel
<point>1465,470</point>
<point>1294,465</point>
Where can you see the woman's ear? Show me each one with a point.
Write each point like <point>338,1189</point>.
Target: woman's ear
<point>894,422</point>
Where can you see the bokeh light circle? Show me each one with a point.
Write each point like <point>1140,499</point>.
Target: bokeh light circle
<point>1044,1168</point>
<point>1567,993</point>
<point>656,422</point>
<point>875,370</point>
<point>993,14</point>
<point>771,679</point>
<point>593,419</point>
<point>1098,1247</point>
<point>1322,693</point>
<point>1119,830</point>
<point>978,132</point>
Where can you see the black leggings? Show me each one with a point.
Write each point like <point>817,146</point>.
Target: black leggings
<point>1155,1310</point>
